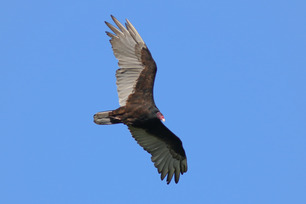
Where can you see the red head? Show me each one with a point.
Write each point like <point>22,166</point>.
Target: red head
<point>160,116</point>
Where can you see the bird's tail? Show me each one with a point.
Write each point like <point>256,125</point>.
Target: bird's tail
<point>104,118</point>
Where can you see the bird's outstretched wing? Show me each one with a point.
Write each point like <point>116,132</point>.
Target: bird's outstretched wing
<point>166,148</point>
<point>133,56</point>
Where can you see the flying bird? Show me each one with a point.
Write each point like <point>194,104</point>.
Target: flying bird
<point>135,81</point>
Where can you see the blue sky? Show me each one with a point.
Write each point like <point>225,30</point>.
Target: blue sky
<point>231,83</point>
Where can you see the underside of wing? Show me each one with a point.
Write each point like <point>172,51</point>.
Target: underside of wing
<point>166,149</point>
<point>127,47</point>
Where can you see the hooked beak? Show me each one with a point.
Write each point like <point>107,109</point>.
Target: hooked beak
<point>160,116</point>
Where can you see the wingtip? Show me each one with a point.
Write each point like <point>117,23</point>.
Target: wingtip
<point>115,19</point>
<point>184,166</point>
<point>127,20</point>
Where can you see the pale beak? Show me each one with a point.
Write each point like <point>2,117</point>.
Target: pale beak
<point>160,116</point>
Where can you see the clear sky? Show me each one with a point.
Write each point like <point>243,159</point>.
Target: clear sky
<point>231,83</point>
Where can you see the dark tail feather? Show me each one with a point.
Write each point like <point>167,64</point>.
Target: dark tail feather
<point>103,118</point>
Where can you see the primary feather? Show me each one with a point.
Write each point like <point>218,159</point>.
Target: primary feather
<point>135,82</point>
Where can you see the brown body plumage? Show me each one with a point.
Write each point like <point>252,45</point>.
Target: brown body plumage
<point>135,82</point>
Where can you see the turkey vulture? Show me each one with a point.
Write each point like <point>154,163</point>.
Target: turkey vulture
<point>135,80</point>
